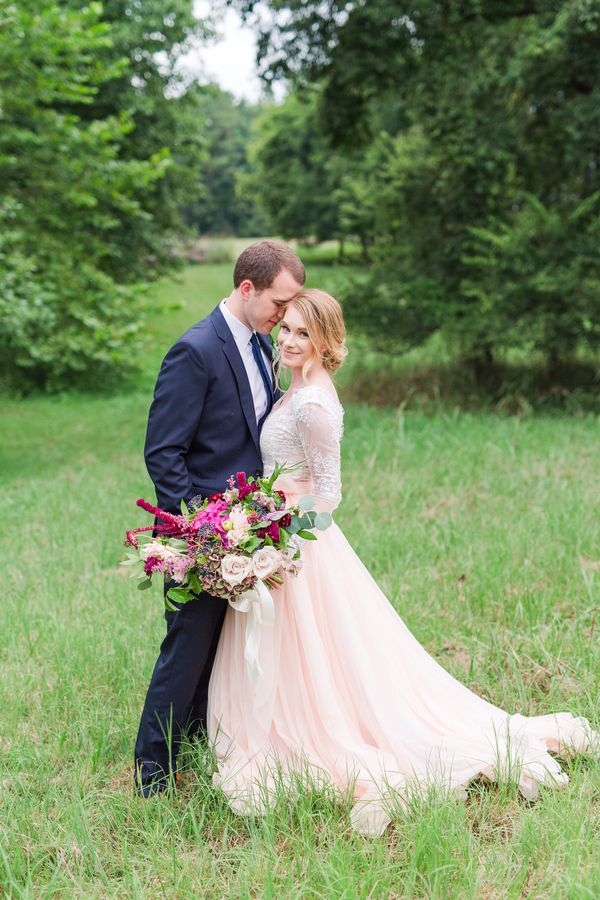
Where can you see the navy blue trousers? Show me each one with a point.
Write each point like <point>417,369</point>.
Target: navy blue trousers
<point>177,697</point>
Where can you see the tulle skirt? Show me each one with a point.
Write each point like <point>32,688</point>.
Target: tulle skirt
<point>349,698</point>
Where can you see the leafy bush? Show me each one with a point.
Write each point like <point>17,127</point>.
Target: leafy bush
<point>535,279</point>
<point>64,322</point>
<point>83,219</point>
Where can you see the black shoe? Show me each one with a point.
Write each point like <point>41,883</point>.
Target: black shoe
<point>151,779</point>
<point>151,789</point>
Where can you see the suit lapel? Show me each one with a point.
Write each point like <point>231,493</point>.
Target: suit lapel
<point>237,366</point>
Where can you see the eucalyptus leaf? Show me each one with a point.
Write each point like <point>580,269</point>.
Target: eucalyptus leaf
<point>144,585</point>
<point>306,502</point>
<point>322,521</point>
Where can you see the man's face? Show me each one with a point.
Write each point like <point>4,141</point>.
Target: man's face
<point>264,309</point>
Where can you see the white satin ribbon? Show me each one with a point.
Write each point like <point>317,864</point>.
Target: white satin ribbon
<point>257,603</point>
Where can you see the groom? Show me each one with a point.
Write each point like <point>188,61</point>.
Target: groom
<point>214,389</point>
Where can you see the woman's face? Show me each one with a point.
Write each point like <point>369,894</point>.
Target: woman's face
<point>294,342</point>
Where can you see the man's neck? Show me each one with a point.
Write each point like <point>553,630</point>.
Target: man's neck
<point>235,305</point>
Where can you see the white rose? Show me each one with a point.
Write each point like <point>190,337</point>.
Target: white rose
<point>265,562</point>
<point>235,568</point>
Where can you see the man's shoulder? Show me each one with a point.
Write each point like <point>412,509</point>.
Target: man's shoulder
<point>202,336</point>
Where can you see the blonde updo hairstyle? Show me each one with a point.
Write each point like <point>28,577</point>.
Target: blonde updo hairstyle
<point>324,322</point>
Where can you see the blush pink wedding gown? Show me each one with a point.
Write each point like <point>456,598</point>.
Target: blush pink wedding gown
<point>348,696</point>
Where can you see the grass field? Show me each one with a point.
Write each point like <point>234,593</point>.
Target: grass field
<point>491,555</point>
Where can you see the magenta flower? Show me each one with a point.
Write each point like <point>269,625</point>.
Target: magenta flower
<point>244,488</point>
<point>154,564</point>
<point>169,526</point>
<point>211,515</point>
<point>273,531</point>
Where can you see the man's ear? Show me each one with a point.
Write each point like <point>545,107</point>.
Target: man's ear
<point>246,288</point>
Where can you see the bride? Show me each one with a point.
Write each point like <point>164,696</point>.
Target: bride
<point>348,696</point>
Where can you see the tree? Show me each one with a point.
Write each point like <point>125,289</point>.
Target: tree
<point>495,113</point>
<point>294,174</point>
<point>79,208</point>
<point>535,279</point>
<point>147,37</point>
<point>229,129</point>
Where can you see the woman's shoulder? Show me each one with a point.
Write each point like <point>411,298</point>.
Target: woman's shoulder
<point>319,394</point>
<point>315,404</point>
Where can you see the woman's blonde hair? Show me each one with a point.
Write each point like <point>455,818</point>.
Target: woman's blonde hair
<point>324,322</point>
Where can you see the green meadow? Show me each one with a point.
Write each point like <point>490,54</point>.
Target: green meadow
<point>482,529</point>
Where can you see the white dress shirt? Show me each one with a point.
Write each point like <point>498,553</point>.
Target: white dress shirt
<point>241,335</point>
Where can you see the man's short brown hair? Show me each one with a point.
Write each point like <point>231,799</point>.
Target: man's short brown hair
<point>262,262</point>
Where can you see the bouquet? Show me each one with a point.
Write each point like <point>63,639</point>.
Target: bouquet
<point>232,544</point>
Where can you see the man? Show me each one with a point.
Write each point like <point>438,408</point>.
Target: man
<point>214,389</point>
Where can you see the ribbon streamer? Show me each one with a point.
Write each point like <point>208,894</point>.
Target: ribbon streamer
<point>257,603</point>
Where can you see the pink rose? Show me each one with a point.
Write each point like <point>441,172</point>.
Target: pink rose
<point>265,562</point>
<point>234,569</point>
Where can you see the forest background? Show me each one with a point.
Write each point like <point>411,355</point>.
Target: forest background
<point>451,150</point>
<point>437,165</point>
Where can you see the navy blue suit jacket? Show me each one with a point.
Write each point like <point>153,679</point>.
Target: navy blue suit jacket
<point>202,424</point>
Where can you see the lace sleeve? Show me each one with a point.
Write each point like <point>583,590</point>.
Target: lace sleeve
<point>319,426</point>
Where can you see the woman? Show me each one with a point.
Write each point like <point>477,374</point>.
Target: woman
<point>348,696</point>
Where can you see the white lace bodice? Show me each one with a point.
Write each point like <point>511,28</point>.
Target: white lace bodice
<point>307,428</point>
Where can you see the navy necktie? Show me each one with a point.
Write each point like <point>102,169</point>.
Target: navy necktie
<point>260,362</point>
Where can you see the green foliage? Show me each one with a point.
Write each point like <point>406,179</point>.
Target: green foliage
<point>81,207</point>
<point>146,39</point>
<point>221,207</point>
<point>458,112</point>
<point>387,305</point>
<point>294,175</point>
<point>358,209</point>
<point>535,280</point>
